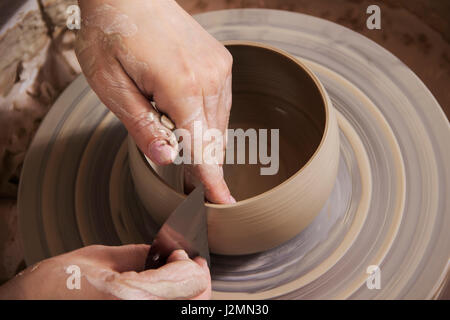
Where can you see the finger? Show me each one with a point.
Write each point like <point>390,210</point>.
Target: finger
<point>182,279</point>
<point>205,295</point>
<point>215,116</point>
<point>216,108</point>
<point>177,255</point>
<point>120,94</point>
<point>222,115</point>
<point>202,263</point>
<point>211,95</point>
<point>188,113</point>
<point>211,176</point>
<point>224,108</point>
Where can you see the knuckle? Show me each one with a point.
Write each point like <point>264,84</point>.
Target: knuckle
<point>229,58</point>
<point>226,61</point>
<point>213,79</point>
<point>213,84</point>
<point>183,80</point>
<point>186,77</point>
<point>189,84</point>
<point>228,105</point>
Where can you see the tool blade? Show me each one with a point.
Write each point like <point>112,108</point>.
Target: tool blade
<point>186,228</point>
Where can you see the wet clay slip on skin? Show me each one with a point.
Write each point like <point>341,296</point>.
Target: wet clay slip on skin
<point>271,90</point>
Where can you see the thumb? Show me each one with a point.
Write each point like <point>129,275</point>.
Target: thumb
<point>120,94</point>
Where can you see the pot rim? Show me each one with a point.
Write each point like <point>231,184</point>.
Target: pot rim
<point>327,106</point>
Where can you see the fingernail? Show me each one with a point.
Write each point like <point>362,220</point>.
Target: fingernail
<point>161,152</point>
<point>181,254</point>
<point>232,200</point>
<point>166,122</point>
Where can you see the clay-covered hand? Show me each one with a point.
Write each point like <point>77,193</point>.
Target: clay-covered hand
<point>111,273</point>
<point>131,51</point>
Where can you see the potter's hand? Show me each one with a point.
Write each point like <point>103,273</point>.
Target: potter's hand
<point>132,51</point>
<point>110,273</point>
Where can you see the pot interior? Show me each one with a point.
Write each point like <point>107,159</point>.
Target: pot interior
<point>270,91</point>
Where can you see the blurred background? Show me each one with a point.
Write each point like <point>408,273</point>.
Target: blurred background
<point>37,62</point>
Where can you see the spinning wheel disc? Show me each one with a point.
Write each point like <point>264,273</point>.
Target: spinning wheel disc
<point>389,207</point>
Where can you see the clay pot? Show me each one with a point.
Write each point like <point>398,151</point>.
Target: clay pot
<point>271,90</point>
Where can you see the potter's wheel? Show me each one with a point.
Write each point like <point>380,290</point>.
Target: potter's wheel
<point>390,206</point>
